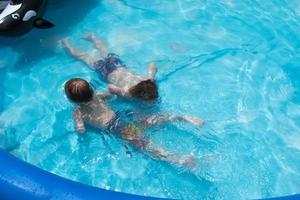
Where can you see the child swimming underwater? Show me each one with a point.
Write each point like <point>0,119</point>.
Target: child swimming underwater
<point>92,109</point>
<point>121,81</point>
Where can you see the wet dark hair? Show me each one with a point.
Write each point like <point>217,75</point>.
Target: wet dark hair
<point>145,90</point>
<point>78,90</point>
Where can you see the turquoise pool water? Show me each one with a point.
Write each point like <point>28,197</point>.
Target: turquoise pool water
<point>233,63</point>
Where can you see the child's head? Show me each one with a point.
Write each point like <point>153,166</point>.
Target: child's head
<point>78,90</point>
<point>145,90</point>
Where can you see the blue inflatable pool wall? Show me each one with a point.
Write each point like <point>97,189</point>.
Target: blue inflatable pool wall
<point>22,181</point>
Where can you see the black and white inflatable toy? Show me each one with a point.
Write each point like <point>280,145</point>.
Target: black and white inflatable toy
<point>17,17</point>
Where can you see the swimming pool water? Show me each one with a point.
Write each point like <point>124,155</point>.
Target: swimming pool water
<point>233,63</point>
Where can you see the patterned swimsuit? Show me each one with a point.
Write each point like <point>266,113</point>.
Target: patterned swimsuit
<point>108,64</point>
<point>127,119</point>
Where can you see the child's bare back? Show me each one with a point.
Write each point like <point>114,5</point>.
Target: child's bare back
<point>95,113</point>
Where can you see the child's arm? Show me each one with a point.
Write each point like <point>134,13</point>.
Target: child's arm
<point>104,95</point>
<point>78,121</point>
<point>118,91</point>
<point>99,44</point>
<point>84,57</point>
<point>152,70</point>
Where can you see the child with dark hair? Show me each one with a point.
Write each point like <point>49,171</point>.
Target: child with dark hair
<point>121,81</point>
<point>93,110</point>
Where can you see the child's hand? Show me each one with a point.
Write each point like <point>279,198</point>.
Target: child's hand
<point>111,88</point>
<point>152,66</point>
<point>78,120</point>
<point>65,42</point>
<point>80,130</point>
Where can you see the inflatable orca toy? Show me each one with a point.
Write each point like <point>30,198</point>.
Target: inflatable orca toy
<point>20,16</point>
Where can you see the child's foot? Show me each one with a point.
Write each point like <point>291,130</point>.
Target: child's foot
<point>89,36</point>
<point>194,120</point>
<point>188,161</point>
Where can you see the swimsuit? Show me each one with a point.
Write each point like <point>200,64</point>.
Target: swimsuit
<point>108,64</point>
<point>128,120</point>
<point>121,119</point>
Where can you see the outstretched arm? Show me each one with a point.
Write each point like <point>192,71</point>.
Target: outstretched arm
<point>78,121</point>
<point>118,91</point>
<point>99,44</point>
<point>104,95</point>
<point>85,58</point>
<point>152,70</point>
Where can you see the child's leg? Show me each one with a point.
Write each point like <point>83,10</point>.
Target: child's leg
<point>132,135</point>
<point>160,119</point>
<point>77,54</point>
<point>99,44</point>
<point>162,154</point>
